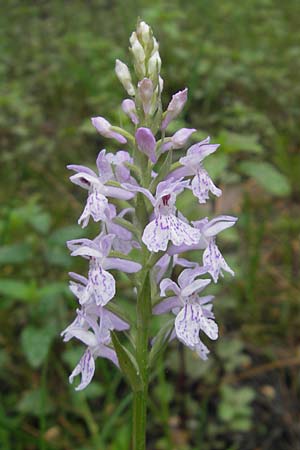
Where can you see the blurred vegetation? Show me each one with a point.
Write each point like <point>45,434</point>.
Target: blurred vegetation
<point>241,61</point>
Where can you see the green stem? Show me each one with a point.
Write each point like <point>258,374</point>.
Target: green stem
<point>139,419</point>
<point>140,396</point>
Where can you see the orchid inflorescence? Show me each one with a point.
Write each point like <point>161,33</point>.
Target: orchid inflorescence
<point>133,197</point>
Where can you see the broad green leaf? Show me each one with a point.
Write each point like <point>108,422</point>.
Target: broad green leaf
<point>216,165</point>
<point>36,343</point>
<point>234,142</point>
<point>51,290</point>
<point>35,403</point>
<point>241,423</point>
<point>61,235</point>
<point>40,222</point>
<point>57,256</point>
<point>18,290</point>
<point>127,363</point>
<point>226,411</point>
<point>15,253</point>
<point>267,176</point>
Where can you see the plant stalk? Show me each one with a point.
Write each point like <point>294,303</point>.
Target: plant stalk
<point>140,397</point>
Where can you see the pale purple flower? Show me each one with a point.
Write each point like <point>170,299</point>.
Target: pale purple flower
<point>92,326</point>
<point>85,368</point>
<point>123,241</point>
<point>167,261</point>
<point>118,161</point>
<point>202,184</point>
<point>175,107</point>
<point>146,142</point>
<point>105,129</point>
<point>212,257</point>
<point>193,313</point>
<point>166,226</point>
<point>100,286</point>
<point>97,189</point>
<point>178,140</point>
<point>129,109</point>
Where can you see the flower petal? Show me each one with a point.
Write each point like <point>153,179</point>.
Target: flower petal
<point>202,184</point>
<point>168,285</point>
<point>95,207</point>
<point>187,276</point>
<point>168,227</point>
<point>85,367</point>
<point>135,188</point>
<point>86,251</point>
<point>79,278</point>
<point>166,305</point>
<point>87,337</point>
<point>196,286</point>
<point>213,258</point>
<point>209,327</point>
<point>190,321</point>
<point>156,234</point>
<point>101,286</point>
<point>104,167</point>
<point>117,192</point>
<point>202,149</point>
<point>178,140</point>
<point>106,352</point>
<point>104,128</point>
<point>181,232</point>
<point>122,264</point>
<point>219,224</point>
<point>187,325</point>
<point>202,351</point>
<point>179,173</point>
<point>146,142</point>
<point>83,169</point>
<point>86,180</point>
<point>116,322</point>
<point>175,107</point>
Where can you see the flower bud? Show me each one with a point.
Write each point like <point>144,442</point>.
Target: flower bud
<point>175,107</point>
<point>145,88</point>
<point>154,65</point>
<point>155,45</point>
<point>129,109</point>
<point>146,142</point>
<point>144,33</point>
<point>179,139</point>
<point>160,86</point>
<point>104,128</point>
<point>124,76</point>
<point>138,54</point>
<point>137,49</point>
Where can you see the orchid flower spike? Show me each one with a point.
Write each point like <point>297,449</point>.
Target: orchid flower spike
<point>144,238</point>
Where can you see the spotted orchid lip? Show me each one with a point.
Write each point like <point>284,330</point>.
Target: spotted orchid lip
<point>166,199</point>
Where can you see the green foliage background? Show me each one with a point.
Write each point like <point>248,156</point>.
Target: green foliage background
<point>241,62</point>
